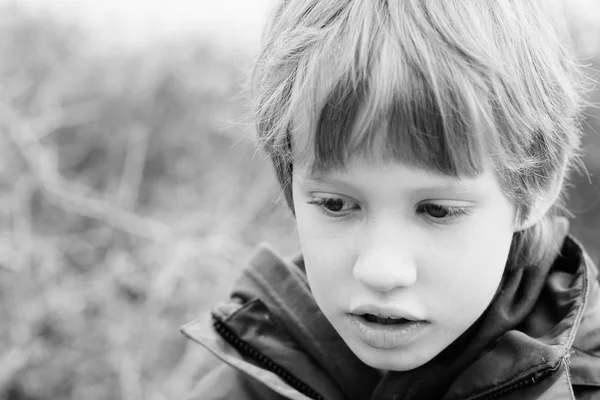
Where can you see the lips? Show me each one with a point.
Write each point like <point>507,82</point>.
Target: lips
<point>386,336</point>
<point>385,328</point>
<point>384,320</point>
<point>383,314</point>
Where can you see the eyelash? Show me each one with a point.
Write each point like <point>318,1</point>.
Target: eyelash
<point>452,212</point>
<point>322,202</point>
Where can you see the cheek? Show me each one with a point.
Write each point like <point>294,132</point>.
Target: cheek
<point>327,254</point>
<point>468,271</point>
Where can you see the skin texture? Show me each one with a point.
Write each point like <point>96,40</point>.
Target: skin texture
<point>388,239</point>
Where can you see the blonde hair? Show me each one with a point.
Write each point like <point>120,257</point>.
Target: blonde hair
<point>452,86</point>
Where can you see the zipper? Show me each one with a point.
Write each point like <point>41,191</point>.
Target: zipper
<point>268,364</point>
<point>529,380</point>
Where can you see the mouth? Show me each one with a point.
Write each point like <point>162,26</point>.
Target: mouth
<point>385,329</point>
<point>383,320</point>
<point>384,315</point>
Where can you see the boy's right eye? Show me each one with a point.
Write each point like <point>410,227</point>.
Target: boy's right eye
<point>333,206</point>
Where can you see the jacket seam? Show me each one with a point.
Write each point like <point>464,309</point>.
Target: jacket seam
<point>574,328</point>
<point>568,378</point>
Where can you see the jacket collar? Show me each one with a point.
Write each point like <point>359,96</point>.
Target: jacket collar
<point>585,351</point>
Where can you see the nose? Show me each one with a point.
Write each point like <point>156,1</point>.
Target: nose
<point>386,260</point>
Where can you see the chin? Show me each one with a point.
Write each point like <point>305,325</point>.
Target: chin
<point>400,359</point>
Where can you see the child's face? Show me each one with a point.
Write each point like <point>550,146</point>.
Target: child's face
<point>397,241</point>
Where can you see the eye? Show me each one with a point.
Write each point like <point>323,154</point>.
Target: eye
<point>436,211</point>
<point>442,214</point>
<point>333,206</point>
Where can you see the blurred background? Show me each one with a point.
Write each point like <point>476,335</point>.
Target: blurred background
<point>131,192</point>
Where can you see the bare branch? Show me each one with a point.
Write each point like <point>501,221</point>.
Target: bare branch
<point>133,171</point>
<point>71,196</point>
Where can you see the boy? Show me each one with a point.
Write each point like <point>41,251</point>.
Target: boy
<point>422,146</point>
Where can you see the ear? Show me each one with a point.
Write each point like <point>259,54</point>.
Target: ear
<point>541,205</point>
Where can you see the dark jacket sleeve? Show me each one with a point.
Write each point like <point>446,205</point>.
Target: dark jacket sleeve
<point>225,382</point>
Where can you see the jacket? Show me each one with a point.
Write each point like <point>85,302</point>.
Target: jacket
<point>271,341</point>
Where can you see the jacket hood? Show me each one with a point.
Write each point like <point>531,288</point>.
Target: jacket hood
<point>273,312</point>
<point>562,326</point>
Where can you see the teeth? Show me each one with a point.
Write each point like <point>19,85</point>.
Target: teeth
<point>384,321</point>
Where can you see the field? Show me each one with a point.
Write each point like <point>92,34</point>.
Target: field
<point>131,196</point>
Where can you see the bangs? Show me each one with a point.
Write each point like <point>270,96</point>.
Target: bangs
<point>396,102</point>
<point>408,121</point>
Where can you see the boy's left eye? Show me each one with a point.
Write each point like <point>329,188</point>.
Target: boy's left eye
<point>436,211</point>
<point>441,213</point>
